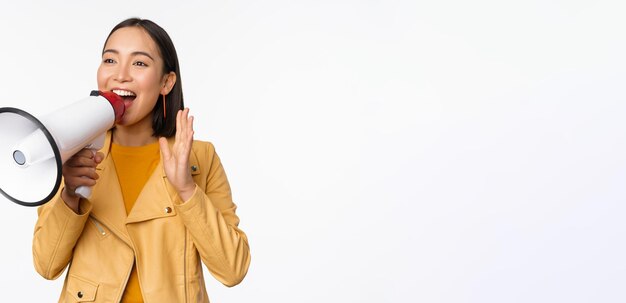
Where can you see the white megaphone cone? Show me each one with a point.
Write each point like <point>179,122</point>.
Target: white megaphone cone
<point>32,151</point>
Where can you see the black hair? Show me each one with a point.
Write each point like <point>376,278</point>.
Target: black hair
<point>161,127</point>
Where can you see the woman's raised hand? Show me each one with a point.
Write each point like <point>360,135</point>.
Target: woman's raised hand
<point>176,159</point>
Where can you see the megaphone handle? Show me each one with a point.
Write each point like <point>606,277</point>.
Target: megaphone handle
<point>98,143</point>
<point>83,191</point>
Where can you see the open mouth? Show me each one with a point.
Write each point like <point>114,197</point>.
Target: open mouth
<point>126,95</point>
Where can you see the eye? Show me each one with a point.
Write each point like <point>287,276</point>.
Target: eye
<point>140,63</point>
<point>108,61</point>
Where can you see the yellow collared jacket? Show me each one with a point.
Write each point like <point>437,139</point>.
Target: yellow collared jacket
<point>165,236</point>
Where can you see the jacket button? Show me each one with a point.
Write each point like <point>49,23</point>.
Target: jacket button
<point>79,294</point>
<point>168,210</point>
<point>194,168</point>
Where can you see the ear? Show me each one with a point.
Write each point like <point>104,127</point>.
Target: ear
<point>168,83</point>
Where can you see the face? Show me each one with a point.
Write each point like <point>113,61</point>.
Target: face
<point>133,68</point>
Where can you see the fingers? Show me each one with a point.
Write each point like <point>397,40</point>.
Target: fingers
<point>80,169</point>
<point>87,172</point>
<point>176,156</point>
<point>184,128</point>
<point>98,157</point>
<point>85,153</point>
<point>184,122</point>
<point>76,177</point>
<point>85,157</point>
<point>190,126</point>
<point>73,182</point>
<point>165,149</point>
<point>189,123</point>
<point>183,138</point>
<point>179,123</point>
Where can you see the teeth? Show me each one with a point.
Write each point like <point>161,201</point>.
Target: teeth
<point>123,93</point>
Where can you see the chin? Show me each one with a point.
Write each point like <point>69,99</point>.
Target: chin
<point>124,122</point>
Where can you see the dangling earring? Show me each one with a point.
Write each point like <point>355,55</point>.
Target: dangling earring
<point>164,112</point>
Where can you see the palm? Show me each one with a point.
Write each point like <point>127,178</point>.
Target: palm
<point>176,159</point>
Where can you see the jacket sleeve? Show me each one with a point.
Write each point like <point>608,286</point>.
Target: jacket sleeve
<point>211,220</point>
<point>56,232</point>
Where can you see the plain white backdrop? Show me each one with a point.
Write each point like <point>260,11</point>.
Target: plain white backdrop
<point>379,151</point>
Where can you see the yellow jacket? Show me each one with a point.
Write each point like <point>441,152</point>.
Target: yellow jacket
<point>167,237</point>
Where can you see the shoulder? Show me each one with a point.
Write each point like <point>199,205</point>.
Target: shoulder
<point>204,150</point>
<point>203,146</point>
<point>205,158</point>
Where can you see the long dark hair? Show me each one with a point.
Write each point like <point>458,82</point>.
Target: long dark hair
<point>161,127</point>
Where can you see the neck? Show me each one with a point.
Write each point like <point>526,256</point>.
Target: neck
<point>133,135</point>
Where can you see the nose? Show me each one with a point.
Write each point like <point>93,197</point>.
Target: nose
<point>123,73</point>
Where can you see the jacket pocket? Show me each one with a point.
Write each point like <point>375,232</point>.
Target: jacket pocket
<point>81,290</point>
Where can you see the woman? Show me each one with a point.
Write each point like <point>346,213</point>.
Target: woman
<point>160,202</point>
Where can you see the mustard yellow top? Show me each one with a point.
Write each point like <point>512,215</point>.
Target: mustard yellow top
<point>134,165</point>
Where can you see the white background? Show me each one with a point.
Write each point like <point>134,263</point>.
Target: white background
<point>379,151</point>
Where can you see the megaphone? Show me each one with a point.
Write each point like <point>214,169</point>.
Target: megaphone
<point>32,151</point>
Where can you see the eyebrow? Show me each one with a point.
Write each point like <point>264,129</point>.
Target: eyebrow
<point>133,53</point>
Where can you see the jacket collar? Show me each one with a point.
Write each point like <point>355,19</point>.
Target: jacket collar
<point>193,160</point>
<point>155,200</point>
